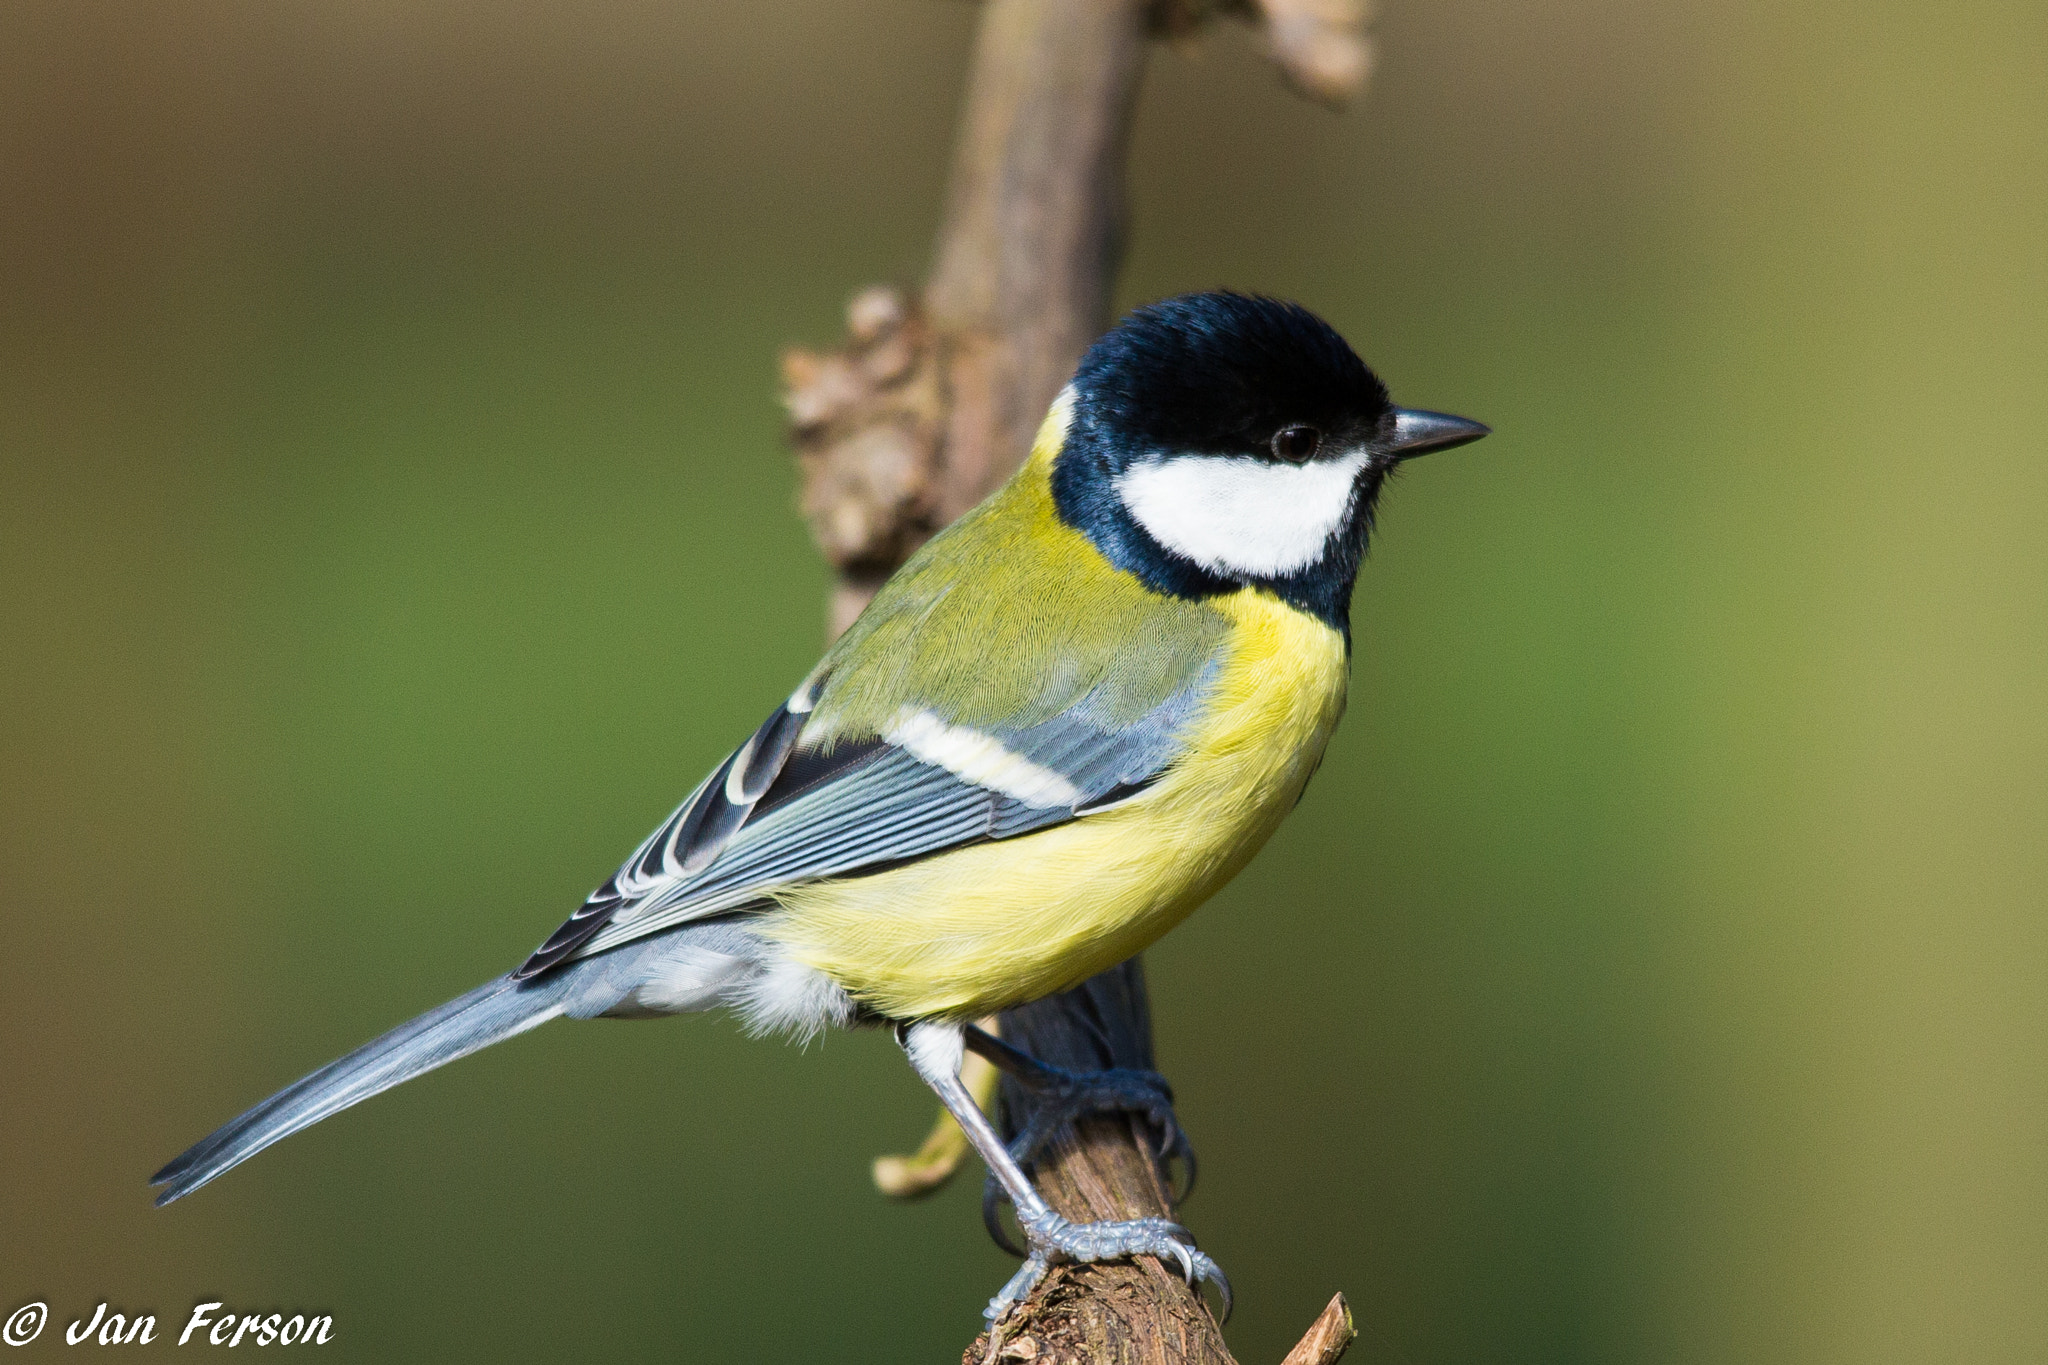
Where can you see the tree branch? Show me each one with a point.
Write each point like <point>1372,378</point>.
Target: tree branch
<point>1032,234</point>
<point>928,407</point>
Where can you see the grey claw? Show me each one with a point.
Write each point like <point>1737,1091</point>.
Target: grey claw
<point>1213,1273</point>
<point>1187,1158</point>
<point>1187,1261</point>
<point>992,1200</point>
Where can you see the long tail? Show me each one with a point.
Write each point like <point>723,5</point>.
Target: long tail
<point>491,1013</point>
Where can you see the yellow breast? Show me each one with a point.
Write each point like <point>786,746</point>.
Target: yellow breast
<point>998,924</point>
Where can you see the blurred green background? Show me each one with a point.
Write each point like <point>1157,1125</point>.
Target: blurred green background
<point>394,524</point>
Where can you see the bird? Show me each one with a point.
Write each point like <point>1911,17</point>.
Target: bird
<point>1065,722</point>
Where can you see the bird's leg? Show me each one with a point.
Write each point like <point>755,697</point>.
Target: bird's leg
<point>935,1050</point>
<point>1063,1096</point>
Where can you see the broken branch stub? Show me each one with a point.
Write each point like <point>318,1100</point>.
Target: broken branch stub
<point>867,421</point>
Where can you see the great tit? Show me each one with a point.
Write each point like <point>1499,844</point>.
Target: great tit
<point>1061,726</point>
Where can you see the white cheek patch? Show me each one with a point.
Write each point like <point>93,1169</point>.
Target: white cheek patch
<point>1234,514</point>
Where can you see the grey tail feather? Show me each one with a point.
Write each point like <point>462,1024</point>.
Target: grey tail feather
<point>491,1013</point>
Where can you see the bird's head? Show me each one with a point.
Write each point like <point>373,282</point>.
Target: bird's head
<point>1215,441</point>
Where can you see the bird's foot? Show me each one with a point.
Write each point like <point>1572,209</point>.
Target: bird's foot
<point>1054,1240</point>
<point>1060,1097</point>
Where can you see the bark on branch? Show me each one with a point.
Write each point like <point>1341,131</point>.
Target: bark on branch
<point>932,403</point>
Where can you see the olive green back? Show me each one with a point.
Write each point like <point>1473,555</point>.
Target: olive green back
<point>1007,618</point>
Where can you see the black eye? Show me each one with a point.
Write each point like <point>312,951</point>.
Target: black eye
<point>1296,444</point>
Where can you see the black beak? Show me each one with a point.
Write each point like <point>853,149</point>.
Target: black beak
<point>1417,432</point>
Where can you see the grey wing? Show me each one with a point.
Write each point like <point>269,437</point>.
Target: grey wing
<point>776,813</point>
